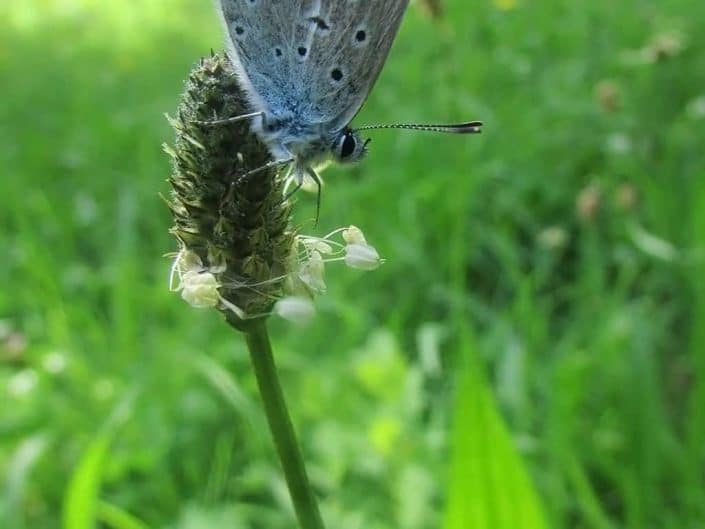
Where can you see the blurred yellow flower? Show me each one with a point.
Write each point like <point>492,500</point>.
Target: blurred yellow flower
<point>505,5</point>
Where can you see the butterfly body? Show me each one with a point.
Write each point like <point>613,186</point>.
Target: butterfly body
<point>307,67</point>
<point>288,134</point>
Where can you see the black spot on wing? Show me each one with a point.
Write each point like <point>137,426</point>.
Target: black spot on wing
<point>320,23</point>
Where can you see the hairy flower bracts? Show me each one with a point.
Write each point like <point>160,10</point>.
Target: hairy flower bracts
<point>232,224</point>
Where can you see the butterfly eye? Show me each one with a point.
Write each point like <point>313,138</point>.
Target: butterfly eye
<point>349,147</point>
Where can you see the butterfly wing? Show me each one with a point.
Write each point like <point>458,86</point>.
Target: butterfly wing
<point>260,40</point>
<point>347,59</point>
<point>315,59</point>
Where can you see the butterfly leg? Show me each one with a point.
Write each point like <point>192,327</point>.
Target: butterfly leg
<point>275,164</point>
<point>297,175</point>
<point>233,119</point>
<point>317,179</point>
<point>288,194</point>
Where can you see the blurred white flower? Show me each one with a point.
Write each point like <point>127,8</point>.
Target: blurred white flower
<point>619,143</point>
<point>54,363</point>
<point>696,108</point>
<point>298,310</point>
<point>553,237</point>
<point>22,383</point>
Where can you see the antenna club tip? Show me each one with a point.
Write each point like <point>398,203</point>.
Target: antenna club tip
<point>474,127</point>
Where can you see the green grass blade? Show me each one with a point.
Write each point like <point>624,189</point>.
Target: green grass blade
<point>81,501</point>
<point>695,436</point>
<point>116,518</point>
<point>489,487</point>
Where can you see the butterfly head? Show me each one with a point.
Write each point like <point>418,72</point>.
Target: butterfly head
<point>348,146</point>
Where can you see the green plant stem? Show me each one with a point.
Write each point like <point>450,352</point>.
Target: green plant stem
<point>281,427</point>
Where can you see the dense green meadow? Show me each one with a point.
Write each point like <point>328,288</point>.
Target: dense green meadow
<point>531,354</point>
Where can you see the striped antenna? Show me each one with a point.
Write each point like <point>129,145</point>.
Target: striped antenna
<point>469,127</point>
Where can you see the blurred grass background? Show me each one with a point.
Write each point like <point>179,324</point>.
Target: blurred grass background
<point>530,356</point>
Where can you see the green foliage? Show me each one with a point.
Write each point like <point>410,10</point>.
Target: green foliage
<point>82,503</point>
<point>489,487</point>
<point>560,254</point>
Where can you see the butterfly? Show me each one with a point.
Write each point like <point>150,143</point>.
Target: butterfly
<point>307,67</point>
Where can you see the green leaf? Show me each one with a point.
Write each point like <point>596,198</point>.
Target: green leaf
<point>489,487</point>
<point>81,497</point>
<point>81,501</point>
<point>114,517</point>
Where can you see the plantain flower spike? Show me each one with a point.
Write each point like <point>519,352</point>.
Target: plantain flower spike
<point>232,225</point>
